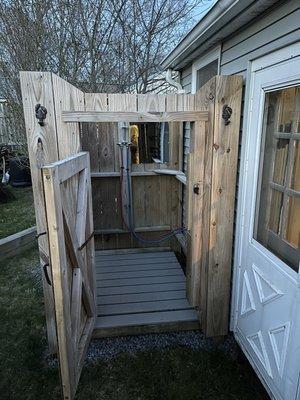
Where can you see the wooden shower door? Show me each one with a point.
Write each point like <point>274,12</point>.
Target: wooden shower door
<point>67,187</point>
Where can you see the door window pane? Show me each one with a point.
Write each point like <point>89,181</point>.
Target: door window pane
<point>277,215</point>
<point>275,211</point>
<point>289,110</point>
<point>295,178</point>
<point>292,233</point>
<point>281,153</point>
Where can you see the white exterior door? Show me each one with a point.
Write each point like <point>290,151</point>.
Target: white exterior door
<point>266,294</point>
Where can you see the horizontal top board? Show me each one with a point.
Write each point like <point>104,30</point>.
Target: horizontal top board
<point>118,116</point>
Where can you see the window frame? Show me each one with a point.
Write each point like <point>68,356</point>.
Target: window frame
<point>161,160</point>
<point>202,61</point>
<point>286,251</point>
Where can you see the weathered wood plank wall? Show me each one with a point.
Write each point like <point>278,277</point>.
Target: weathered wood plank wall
<point>46,144</point>
<point>156,198</point>
<point>213,165</point>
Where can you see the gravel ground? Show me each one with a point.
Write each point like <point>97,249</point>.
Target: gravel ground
<point>109,348</point>
<point>106,349</point>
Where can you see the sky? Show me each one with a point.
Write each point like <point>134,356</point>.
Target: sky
<point>204,6</point>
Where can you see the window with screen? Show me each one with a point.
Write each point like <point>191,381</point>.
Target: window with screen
<point>205,73</point>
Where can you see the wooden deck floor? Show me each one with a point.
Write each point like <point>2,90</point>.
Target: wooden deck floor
<point>141,293</point>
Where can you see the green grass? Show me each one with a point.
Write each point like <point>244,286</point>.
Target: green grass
<point>173,374</point>
<point>17,214</point>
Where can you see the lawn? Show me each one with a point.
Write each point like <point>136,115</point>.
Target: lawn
<point>17,214</point>
<point>176,373</point>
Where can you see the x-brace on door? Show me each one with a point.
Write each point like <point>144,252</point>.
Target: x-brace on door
<point>67,187</point>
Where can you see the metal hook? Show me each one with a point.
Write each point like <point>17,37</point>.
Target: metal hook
<point>40,234</point>
<point>40,113</point>
<point>46,273</point>
<point>226,113</point>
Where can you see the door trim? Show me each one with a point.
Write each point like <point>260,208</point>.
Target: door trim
<point>279,57</point>
<point>272,59</point>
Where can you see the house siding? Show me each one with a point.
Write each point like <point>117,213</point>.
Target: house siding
<point>186,82</point>
<point>277,28</point>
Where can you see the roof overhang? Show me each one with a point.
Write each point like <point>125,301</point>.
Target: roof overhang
<point>222,20</point>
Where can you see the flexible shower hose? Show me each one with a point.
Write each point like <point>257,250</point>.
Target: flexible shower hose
<point>130,228</point>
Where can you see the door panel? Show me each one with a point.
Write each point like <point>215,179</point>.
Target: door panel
<point>267,318</point>
<point>67,189</point>
<point>265,315</point>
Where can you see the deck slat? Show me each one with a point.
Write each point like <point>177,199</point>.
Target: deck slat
<point>141,297</point>
<point>141,293</point>
<point>136,261</point>
<point>162,317</point>
<point>144,267</point>
<point>134,256</point>
<point>133,251</point>
<point>149,306</point>
<point>140,281</point>
<point>160,287</point>
<point>138,274</point>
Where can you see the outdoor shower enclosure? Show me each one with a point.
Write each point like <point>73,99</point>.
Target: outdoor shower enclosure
<point>84,185</point>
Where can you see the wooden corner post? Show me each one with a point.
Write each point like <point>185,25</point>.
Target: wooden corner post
<point>211,200</point>
<point>49,140</point>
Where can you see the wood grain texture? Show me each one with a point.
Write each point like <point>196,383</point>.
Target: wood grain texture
<point>95,101</point>
<point>224,169</point>
<point>60,283</point>
<point>66,97</point>
<point>157,201</point>
<point>37,88</point>
<point>132,116</point>
<point>196,178</point>
<point>205,99</point>
<point>152,102</point>
<point>49,143</point>
<point>212,167</point>
<point>72,263</point>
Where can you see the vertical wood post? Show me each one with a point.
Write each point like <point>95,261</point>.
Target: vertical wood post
<point>195,204</point>
<point>213,168</point>
<point>46,144</point>
<point>223,187</point>
<point>198,240</point>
